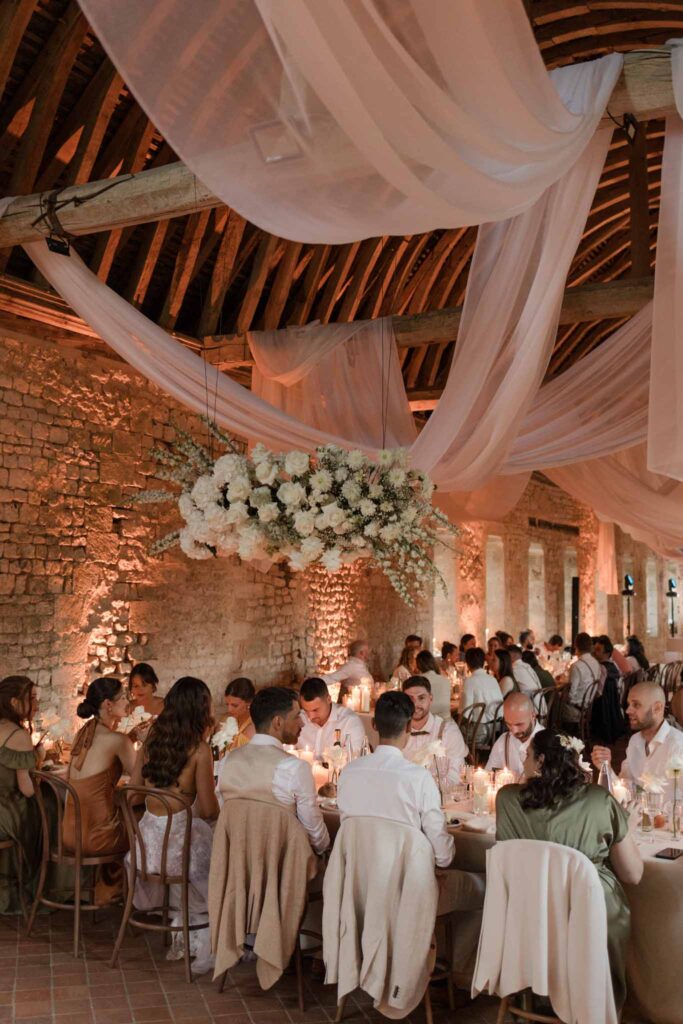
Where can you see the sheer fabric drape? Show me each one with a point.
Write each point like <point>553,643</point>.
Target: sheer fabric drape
<point>333,120</point>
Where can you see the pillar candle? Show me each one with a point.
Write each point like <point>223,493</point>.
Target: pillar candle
<point>306,755</point>
<point>320,775</point>
<point>481,780</point>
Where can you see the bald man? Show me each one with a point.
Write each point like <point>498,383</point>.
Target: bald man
<point>509,750</point>
<point>654,742</point>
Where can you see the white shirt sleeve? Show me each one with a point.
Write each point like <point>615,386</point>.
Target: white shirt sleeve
<point>305,800</point>
<point>433,823</point>
<point>353,731</point>
<point>456,748</point>
<point>497,755</point>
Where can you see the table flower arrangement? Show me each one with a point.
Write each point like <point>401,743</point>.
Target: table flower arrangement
<point>332,508</point>
<point>54,724</point>
<point>138,717</point>
<point>224,736</point>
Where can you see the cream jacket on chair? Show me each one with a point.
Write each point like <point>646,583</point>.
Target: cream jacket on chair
<point>545,928</point>
<point>380,898</point>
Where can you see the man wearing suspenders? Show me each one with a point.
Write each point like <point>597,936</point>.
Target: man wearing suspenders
<point>509,750</point>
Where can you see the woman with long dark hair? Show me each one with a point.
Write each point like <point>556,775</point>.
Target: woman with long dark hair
<point>142,687</point>
<point>501,667</point>
<point>176,757</point>
<point>407,667</point>
<point>239,694</point>
<point>556,804</point>
<point>440,684</point>
<point>99,756</point>
<point>19,815</point>
<point>635,655</point>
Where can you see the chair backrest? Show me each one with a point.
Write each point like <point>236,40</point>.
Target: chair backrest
<point>545,928</point>
<point>470,721</point>
<point>556,703</point>
<point>174,806</point>
<point>586,711</point>
<point>380,900</point>
<point>61,791</point>
<point>542,701</point>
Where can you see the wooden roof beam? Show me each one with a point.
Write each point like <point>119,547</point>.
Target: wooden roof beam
<point>644,89</point>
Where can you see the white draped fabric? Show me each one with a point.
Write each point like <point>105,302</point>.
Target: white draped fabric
<point>341,378</point>
<point>622,489</point>
<point>665,433</point>
<point>333,120</point>
<point>606,559</point>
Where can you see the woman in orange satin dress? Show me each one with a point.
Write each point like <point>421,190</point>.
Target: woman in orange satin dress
<point>99,755</point>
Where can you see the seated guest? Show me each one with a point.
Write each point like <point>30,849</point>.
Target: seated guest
<point>387,785</point>
<point>355,670</point>
<point>527,639</point>
<point>239,694</point>
<point>440,683</point>
<point>510,749</point>
<point>276,715</point>
<point>406,667</point>
<point>500,665</point>
<point>504,638</point>
<point>467,641</point>
<point>19,815</point>
<point>523,674</point>
<point>675,719</point>
<point>654,743</point>
<point>99,755</point>
<point>427,728</point>
<point>555,804</point>
<point>450,656</point>
<point>480,687</point>
<point>413,641</point>
<point>142,687</point>
<point>546,678</point>
<point>552,647</point>
<point>615,655</point>
<point>635,655</point>
<point>176,758</point>
<point>584,672</point>
<point>321,720</point>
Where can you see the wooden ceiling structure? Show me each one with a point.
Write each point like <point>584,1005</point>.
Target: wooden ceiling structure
<point>67,118</point>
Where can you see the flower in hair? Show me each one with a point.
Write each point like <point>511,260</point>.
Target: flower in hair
<point>571,743</point>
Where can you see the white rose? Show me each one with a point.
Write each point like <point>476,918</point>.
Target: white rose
<point>239,488</point>
<point>269,513</point>
<point>200,530</point>
<point>321,522</point>
<point>215,517</point>
<point>260,496</point>
<point>367,508</point>
<point>237,513</point>
<point>205,491</point>
<point>390,533</point>
<point>228,466</point>
<point>296,463</point>
<point>321,480</point>
<point>359,542</point>
<point>189,546</point>
<point>311,548</point>
<point>250,542</point>
<point>266,473</point>
<point>332,559</point>
<point>356,459</point>
<point>228,542</point>
<point>334,515</point>
<point>351,491</point>
<point>304,523</point>
<point>397,476</point>
<point>260,453</point>
<point>186,506</point>
<point>291,494</point>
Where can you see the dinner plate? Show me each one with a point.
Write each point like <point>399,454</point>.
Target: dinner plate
<point>328,803</point>
<point>481,823</point>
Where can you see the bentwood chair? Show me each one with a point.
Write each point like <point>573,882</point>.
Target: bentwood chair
<point>471,728</point>
<point>493,731</point>
<point>54,852</point>
<point>586,712</point>
<point>139,868</point>
<point>13,847</point>
<point>542,701</point>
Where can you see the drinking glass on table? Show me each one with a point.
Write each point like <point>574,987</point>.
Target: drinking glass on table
<point>650,806</point>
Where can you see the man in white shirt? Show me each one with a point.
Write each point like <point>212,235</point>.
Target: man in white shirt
<point>386,785</point>
<point>584,672</point>
<point>510,749</point>
<point>654,743</point>
<point>523,674</point>
<point>320,720</point>
<point>426,728</point>
<point>480,687</point>
<point>275,712</point>
<point>355,670</point>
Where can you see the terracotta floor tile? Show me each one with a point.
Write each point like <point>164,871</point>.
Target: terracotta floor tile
<point>42,1007</point>
<point>32,995</point>
<point>152,1013</point>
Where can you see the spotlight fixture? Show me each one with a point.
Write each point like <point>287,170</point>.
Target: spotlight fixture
<point>59,245</point>
<point>628,592</point>
<point>672,594</point>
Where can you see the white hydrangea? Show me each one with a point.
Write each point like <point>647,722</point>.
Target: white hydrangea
<point>359,542</point>
<point>250,542</point>
<point>311,548</point>
<point>205,491</point>
<point>187,507</point>
<point>372,529</point>
<point>356,459</point>
<point>341,475</point>
<point>332,559</point>
<point>216,517</point>
<point>269,513</point>
<point>200,530</point>
<point>321,480</point>
<point>376,491</point>
<point>239,488</point>
<point>291,494</point>
<point>266,473</point>
<point>297,463</point>
<point>260,496</point>
<point>237,512</point>
<point>297,561</point>
<point>390,533</point>
<point>410,514</point>
<point>190,547</point>
<point>260,453</point>
<point>334,515</point>
<point>304,523</point>
<point>351,491</point>
<point>228,466</point>
<point>367,508</point>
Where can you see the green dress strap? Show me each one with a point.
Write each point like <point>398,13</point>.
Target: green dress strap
<point>17,760</point>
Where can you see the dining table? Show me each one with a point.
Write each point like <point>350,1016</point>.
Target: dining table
<point>654,975</point>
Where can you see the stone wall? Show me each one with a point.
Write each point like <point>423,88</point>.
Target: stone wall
<point>80,594</point>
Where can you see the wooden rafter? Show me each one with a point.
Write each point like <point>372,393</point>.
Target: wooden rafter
<point>14,18</point>
<point>222,273</point>
<point>281,285</point>
<point>182,271</point>
<point>257,279</point>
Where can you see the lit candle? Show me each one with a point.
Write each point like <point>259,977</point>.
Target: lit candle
<point>620,793</point>
<point>492,800</point>
<point>365,698</point>
<point>504,778</point>
<point>306,754</point>
<point>481,780</point>
<point>354,699</point>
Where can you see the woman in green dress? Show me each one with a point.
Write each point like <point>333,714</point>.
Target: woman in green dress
<point>556,805</point>
<point>19,815</point>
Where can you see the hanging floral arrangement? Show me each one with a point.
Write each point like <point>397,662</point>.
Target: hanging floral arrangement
<point>332,508</point>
